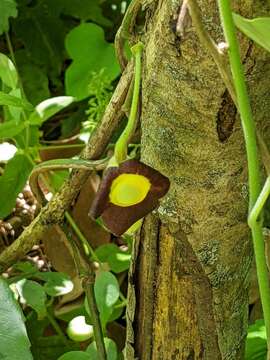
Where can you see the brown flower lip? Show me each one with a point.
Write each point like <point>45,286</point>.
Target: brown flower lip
<point>119,219</point>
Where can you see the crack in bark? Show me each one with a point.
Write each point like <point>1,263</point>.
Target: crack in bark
<point>226,117</point>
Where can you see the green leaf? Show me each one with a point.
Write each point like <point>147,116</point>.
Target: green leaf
<point>33,77</point>
<point>111,350</point>
<point>48,108</point>
<point>8,72</point>
<point>57,283</point>
<point>42,34</point>
<point>8,8</point>
<point>90,53</point>
<point>107,293</point>
<point>10,129</point>
<point>85,10</point>
<point>256,342</point>
<point>15,111</point>
<point>14,342</point>
<point>12,182</point>
<point>57,178</point>
<point>10,100</point>
<point>45,347</point>
<point>118,259</point>
<point>33,294</point>
<point>257,29</point>
<point>75,355</point>
<point>25,267</point>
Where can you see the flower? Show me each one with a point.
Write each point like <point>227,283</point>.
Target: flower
<point>127,193</point>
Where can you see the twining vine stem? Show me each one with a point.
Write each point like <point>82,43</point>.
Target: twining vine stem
<point>120,151</point>
<point>249,130</point>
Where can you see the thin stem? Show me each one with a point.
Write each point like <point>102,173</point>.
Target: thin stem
<point>87,274</point>
<point>122,297</point>
<point>87,247</point>
<point>249,130</point>
<point>90,295</point>
<point>210,45</point>
<point>124,32</point>
<point>121,145</point>
<point>57,328</point>
<point>12,55</point>
<point>127,104</point>
<point>264,153</point>
<point>10,48</point>
<point>58,147</point>
<point>261,200</point>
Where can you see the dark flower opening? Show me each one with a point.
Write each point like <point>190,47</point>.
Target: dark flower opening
<point>127,193</point>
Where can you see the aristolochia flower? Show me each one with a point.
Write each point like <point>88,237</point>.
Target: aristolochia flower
<point>127,193</point>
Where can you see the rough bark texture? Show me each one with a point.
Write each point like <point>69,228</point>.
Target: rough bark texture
<point>188,285</point>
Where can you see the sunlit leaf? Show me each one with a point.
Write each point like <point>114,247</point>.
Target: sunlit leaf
<point>57,283</point>
<point>7,151</point>
<point>257,29</point>
<point>48,108</point>
<point>90,53</point>
<point>106,293</point>
<point>33,294</point>
<point>256,342</point>
<point>8,72</point>
<point>118,259</point>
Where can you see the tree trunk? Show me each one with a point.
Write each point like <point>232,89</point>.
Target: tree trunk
<point>188,284</point>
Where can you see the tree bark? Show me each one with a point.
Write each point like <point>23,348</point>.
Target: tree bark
<point>188,283</point>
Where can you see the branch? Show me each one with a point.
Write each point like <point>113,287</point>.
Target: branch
<point>54,212</point>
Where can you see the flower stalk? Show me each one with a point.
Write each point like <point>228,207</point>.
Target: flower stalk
<point>120,151</point>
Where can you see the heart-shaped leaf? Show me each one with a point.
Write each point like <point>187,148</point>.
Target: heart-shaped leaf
<point>90,53</point>
<point>33,294</point>
<point>118,259</point>
<point>107,293</point>
<point>256,342</point>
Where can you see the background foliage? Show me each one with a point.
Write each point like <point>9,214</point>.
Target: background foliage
<point>57,73</point>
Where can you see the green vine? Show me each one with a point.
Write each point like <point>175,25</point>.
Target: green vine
<point>256,197</point>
